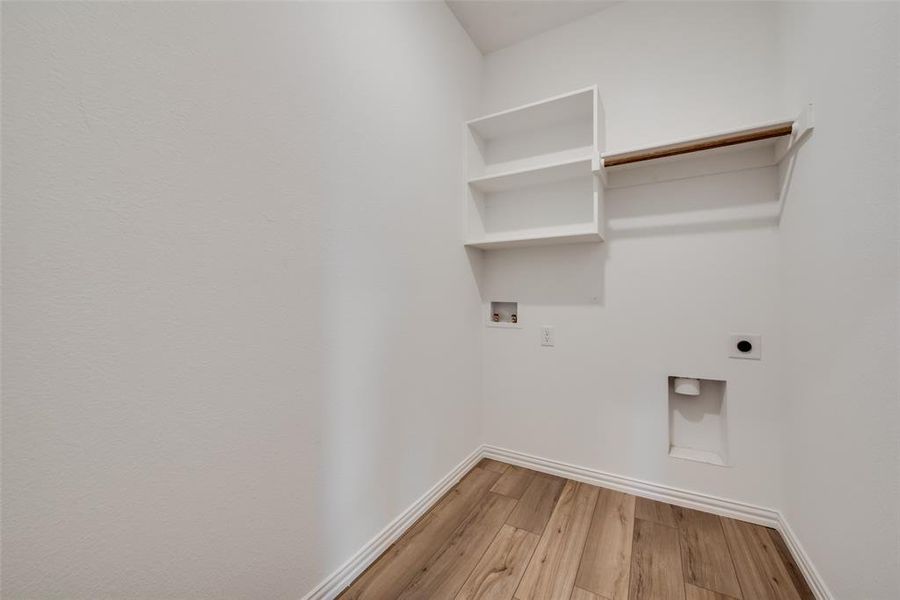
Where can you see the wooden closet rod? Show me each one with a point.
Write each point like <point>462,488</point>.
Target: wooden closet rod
<point>700,144</point>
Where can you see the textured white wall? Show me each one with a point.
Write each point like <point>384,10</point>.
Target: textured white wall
<point>839,245</point>
<point>240,331</point>
<point>650,302</point>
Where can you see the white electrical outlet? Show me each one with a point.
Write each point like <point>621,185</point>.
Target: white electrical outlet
<point>546,335</point>
<point>745,345</point>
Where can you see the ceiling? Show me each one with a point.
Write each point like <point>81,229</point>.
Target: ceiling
<point>495,24</point>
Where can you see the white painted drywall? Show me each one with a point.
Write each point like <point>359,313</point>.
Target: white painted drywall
<point>839,250</point>
<point>495,24</point>
<point>241,333</point>
<point>651,302</point>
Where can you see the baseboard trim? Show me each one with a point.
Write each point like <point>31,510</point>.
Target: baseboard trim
<point>335,583</point>
<point>637,487</point>
<point>720,506</point>
<point>813,578</point>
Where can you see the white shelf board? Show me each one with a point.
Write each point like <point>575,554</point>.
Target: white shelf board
<point>577,105</point>
<point>535,175</point>
<point>529,163</point>
<point>563,234</point>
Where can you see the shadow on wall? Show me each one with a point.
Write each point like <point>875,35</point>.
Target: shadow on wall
<point>719,202</point>
<point>573,274</point>
<point>676,195</point>
<point>568,274</point>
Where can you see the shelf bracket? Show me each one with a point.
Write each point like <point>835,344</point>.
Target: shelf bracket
<point>802,129</point>
<point>800,132</point>
<point>599,169</point>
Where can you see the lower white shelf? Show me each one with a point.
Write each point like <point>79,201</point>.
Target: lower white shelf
<point>564,234</point>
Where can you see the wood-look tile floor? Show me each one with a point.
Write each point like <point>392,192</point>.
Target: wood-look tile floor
<point>504,532</point>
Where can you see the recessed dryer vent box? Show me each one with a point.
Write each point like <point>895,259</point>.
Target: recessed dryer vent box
<point>503,314</point>
<point>698,427</point>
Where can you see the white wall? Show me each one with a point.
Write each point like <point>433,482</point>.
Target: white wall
<point>241,333</point>
<point>651,302</point>
<point>839,246</point>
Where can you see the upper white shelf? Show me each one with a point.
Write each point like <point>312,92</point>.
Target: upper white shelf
<point>574,106</point>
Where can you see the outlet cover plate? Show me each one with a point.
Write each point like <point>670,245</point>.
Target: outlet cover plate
<point>547,335</point>
<point>755,351</point>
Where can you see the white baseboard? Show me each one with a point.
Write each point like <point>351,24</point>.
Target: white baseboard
<point>816,583</point>
<point>720,506</point>
<point>335,583</point>
<point>344,575</point>
<point>637,487</point>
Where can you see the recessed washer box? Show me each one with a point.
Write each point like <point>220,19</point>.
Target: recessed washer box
<point>507,315</point>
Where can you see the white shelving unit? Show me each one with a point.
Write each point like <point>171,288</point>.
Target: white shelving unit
<point>532,173</point>
<point>537,174</point>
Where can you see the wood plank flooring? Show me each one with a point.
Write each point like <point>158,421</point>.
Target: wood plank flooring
<point>509,533</point>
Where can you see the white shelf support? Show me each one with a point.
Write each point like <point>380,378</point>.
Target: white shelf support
<point>800,132</point>
<point>599,169</point>
<point>803,128</point>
